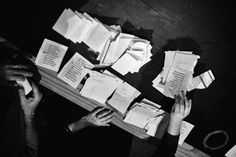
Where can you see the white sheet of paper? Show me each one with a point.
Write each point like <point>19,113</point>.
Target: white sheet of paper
<point>177,81</point>
<point>100,86</point>
<point>185,61</point>
<point>118,47</point>
<point>153,125</point>
<point>231,152</point>
<point>50,55</point>
<point>67,23</point>
<point>26,85</point>
<point>81,30</point>
<point>97,38</point>
<point>139,115</point>
<point>201,81</point>
<point>75,69</point>
<point>186,128</point>
<point>125,64</point>
<point>170,60</point>
<point>123,96</point>
<point>146,101</point>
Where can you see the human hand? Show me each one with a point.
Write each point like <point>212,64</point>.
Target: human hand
<point>100,116</point>
<point>180,110</point>
<point>30,104</point>
<point>12,72</point>
<point>181,107</point>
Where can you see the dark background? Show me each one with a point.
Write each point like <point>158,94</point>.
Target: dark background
<point>209,23</point>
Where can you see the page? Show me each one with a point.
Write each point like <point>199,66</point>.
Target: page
<point>169,60</point>
<point>100,86</point>
<point>118,47</point>
<point>66,23</point>
<point>97,38</point>
<point>125,64</point>
<point>184,131</point>
<point>26,85</point>
<point>201,81</point>
<point>75,69</point>
<point>123,96</point>
<point>139,115</point>
<point>185,61</point>
<point>50,55</point>
<point>152,125</point>
<point>158,83</point>
<point>177,81</point>
<point>81,30</point>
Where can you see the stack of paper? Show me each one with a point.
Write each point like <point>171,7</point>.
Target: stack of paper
<point>134,56</point>
<point>50,55</point>
<point>75,70</point>
<point>123,96</point>
<point>99,86</point>
<point>145,116</point>
<point>80,27</point>
<point>177,72</point>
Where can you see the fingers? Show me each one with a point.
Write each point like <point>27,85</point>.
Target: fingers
<point>108,116</point>
<point>103,112</point>
<point>22,97</point>
<point>96,110</point>
<point>37,95</point>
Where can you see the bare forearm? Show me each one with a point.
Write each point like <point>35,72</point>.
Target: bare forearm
<point>31,135</point>
<point>78,125</point>
<point>174,127</point>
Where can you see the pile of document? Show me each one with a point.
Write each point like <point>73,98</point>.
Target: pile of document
<point>177,74</point>
<point>79,27</point>
<point>126,52</point>
<point>146,115</point>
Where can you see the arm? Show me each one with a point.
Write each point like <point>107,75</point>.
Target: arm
<point>98,117</point>
<point>180,110</point>
<point>28,106</point>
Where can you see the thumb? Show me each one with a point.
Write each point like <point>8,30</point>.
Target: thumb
<point>22,97</point>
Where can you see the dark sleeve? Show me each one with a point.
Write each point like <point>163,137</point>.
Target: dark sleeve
<point>167,146</point>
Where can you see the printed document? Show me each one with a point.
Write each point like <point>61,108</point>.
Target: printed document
<point>50,55</point>
<point>75,70</point>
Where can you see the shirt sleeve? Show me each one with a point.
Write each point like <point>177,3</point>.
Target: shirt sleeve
<point>167,146</point>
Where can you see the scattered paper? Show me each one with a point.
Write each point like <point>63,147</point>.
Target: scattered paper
<point>177,72</point>
<point>141,114</point>
<point>75,70</point>
<point>201,81</point>
<point>26,85</point>
<point>125,64</point>
<point>152,125</point>
<point>186,128</point>
<point>50,55</point>
<point>123,96</point>
<point>100,86</point>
